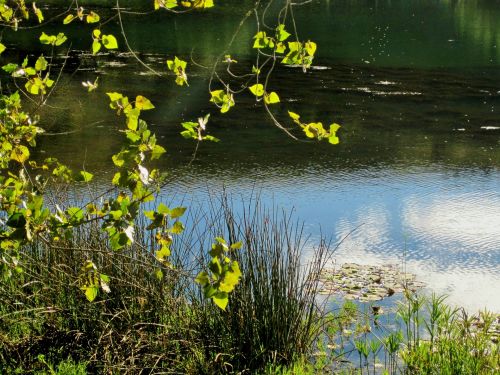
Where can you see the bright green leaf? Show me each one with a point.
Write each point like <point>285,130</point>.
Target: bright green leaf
<point>271,98</point>
<point>143,103</point>
<point>96,46</point>
<point>92,17</point>
<point>20,154</point>
<point>257,89</point>
<point>221,299</point>
<point>68,19</point>
<point>109,41</point>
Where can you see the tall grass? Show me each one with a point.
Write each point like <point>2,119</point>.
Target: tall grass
<point>148,324</point>
<point>273,313</point>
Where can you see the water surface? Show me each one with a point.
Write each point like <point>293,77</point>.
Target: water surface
<point>416,87</point>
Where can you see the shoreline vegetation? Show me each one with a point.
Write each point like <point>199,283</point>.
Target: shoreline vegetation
<point>275,322</point>
<point>110,287</point>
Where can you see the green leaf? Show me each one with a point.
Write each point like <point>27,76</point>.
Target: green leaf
<point>30,71</point>
<point>177,228</point>
<point>92,17</point>
<point>2,48</point>
<point>159,274</point>
<point>90,292</point>
<point>221,299</point>
<point>163,253</point>
<point>294,116</point>
<point>281,33</point>
<point>33,87</point>
<point>215,266</point>
<point>83,176</point>
<point>75,213</point>
<point>143,103</point>
<point>68,19</point>
<point>211,138</point>
<point>177,212</point>
<point>294,46</point>
<point>157,152</point>
<point>178,66</point>
<point>60,39</point>
<point>237,245</point>
<point>41,64</point>
<point>96,46</point>
<point>133,119</point>
<point>38,13</point>
<point>231,278</point>
<point>47,39</point>
<point>334,127</point>
<point>271,98</point>
<point>20,154</point>
<point>310,47</point>
<point>10,68</point>
<point>257,89</point>
<point>314,130</point>
<point>109,41</point>
<point>280,47</point>
<point>332,138</point>
<point>163,209</point>
<point>114,96</point>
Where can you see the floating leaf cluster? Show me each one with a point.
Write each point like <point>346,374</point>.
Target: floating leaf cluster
<point>367,283</point>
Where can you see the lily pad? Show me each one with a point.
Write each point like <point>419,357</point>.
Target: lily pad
<point>367,283</point>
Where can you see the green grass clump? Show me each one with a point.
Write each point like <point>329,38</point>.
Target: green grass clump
<point>452,342</point>
<point>160,322</point>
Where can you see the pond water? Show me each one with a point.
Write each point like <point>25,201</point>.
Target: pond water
<point>415,85</point>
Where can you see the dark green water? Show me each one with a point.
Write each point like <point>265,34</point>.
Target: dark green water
<point>415,85</point>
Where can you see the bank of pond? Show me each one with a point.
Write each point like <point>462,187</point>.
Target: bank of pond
<point>293,312</point>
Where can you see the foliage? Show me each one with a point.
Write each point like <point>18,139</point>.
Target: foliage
<point>74,260</point>
<point>152,324</point>
<point>224,274</point>
<point>316,129</point>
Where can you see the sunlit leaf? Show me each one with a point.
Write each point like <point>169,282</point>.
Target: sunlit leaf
<point>92,17</point>
<point>157,152</point>
<point>90,292</point>
<point>60,39</point>
<point>114,96</point>
<point>68,19</point>
<point>257,89</point>
<point>20,154</point>
<point>271,98</point>
<point>84,176</point>
<point>281,33</point>
<point>38,13</point>
<point>47,39</point>
<point>109,41</point>
<point>221,299</point>
<point>293,115</point>
<point>96,46</point>
<point>41,64</point>
<point>143,103</point>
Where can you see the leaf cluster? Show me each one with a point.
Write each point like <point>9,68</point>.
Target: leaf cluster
<point>223,273</point>
<point>316,130</point>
